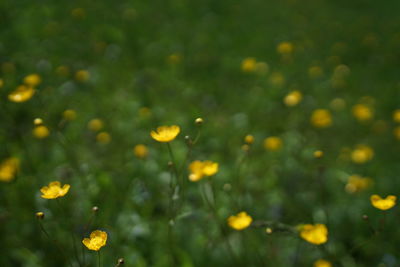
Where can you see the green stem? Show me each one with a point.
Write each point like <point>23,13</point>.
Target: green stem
<point>99,258</point>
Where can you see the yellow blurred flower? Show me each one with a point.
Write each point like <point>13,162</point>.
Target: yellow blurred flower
<point>95,125</point>
<point>277,79</point>
<point>396,115</point>
<point>96,241</point>
<point>318,154</point>
<point>32,80</point>
<point>199,169</point>
<point>293,98</point>
<point>21,94</point>
<point>1,83</point>
<point>362,112</point>
<point>315,72</point>
<point>262,67</point>
<point>285,48</point>
<point>322,263</point>
<point>249,64</point>
<point>272,143</point>
<point>78,13</point>
<point>103,138</point>
<point>69,114</point>
<point>82,75</point>
<point>316,234</point>
<point>240,221</point>
<point>37,121</point>
<point>362,154</point>
<point>174,58</point>
<point>321,118</point>
<point>249,139</point>
<point>396,132</point>
<point>337,104</point>
<point>165,134</point>
<point>141,151</point>
<point>357,183</point>
<point>8,169</point>
<point>383,203</point>
<point>41,132</point>
<point>62,70</point>
<point>54,190</point>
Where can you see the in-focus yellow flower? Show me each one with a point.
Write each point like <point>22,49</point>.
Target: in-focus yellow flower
<point>82,75</point>
<point>96,241</point>
<point>357,183</point>
<point>141,151</point>
<point>285,48</point>
<point>103,138</point>
<point>249,139</point>
<point>240,221</point>
<point>293,98</point>
<point>249,64</point>
<point>315,72</point>
<point>165,134</point>
<point>32,80</point>
<point>8,169</point>
<point>316,234</point>
<point>41,132</point>
<point>322,263</point>
<point>21,94</point>
<point>69,114</point>
<point>199,169</point>
<point>362,112</point>
<point>362,154</point>
<point>54,190</point>
<point>321,118</point>
<point>273,143</point>
<point>95,125</point>
<point>396,115</point>
<point>383,203</point>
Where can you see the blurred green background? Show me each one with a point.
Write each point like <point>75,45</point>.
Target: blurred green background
<point>136,65</point>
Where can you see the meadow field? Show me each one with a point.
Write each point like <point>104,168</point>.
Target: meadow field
<point>199,133</point>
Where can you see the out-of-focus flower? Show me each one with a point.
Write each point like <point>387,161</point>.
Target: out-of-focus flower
<point>39,215</point>
<point>322,263</point>
<point>1,83</point>
<point>318,154</point>
<point>165,134</point>
<point>285,48</point>
<point>338,104</point>
<point>362,154</point>
<point>82,75</point>
<point>249,139</point>
<point>240,221</point>
<point>103,138</point>
<point>8,169</point>
<point>396,115</point>
<point>316,234</point>
<point>200,169</point>
<point>396,132</point>
<point>321,118</point>
<point>273,143</point>
<point>277,79</point>
<point>199,121</point>
<point>357,183</point>
<point>141,151</point>
<point>41,132</point>
<point>95,125</point>
<point>62,70</point>
<point>315,72</point>
<point>262,67</point>
<point>21,94</point>
<point>362,112</point>
<point>32,80</point>
<point>37,121</point>
<point>78,13</point>
<point>249,64</point>
<point>383,203</point>
<point>69,114</point>
<point>175,58</point>
<point>54,190</point>
<point>96,241</point>
<point>293,98</point>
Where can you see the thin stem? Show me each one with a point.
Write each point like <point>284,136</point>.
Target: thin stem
<point>99,258</point>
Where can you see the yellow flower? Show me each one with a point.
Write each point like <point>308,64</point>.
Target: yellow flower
<point>293,98</point>
<point>315,72</point>
<point>8,169</point>
<point>318,154</point>
<point>272,143</point>
<point>199,169</point>
<point>249,64</point>
<point>285,48</point>
<point>362,112</point>
<point>357,183</point>
<point>240,221</point>
<point>69,114</point>
<point>362,154</point>
<point>338,103</point>
<point>103,138</point>
<point>140,151</point>
<point>54,190</point>
<point>32,80</point>
<point>383,204</point>
<point>321,118</point>
<point>95,125</point>
<point>1,83</point>
<point>174,58</point>
<point>165,134</point>
<point>316,234</point>
<point>82,75</point>
<point>21,94</point>
<point>277,79</point>
<point>78,13</point>
<point>249,139</point>
<point>41,132</point>
<point>396,132</point>
<point>322,263</point>
<point>96,241</point>
<point>396,115</point>
<point>62,70</point>
<point>37,121</point>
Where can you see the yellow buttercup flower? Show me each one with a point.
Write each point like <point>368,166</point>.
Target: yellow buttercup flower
<point>69,114</point>
<point>1,83</point>
<point>285,48</point>
<point>396,132</point>
<point>37,121</point>
<point>337,104</point>
<point>32,80</point>
<point>396,115</point>
<point>362,112</point>
<point>41,132</point>
<point>96,241</point>
<point>249,139</point>
<point>8,169</point>
<point>54,190</point>
<point>322,263</point>
<point>21,94</point>
<point>95,125</point>
<point>249,64</point>
<point>62,70</point>
<point>357,183</point>
<point>240,221</point>
<point>321,118</point>
<point>82,75</point>
<point>103,138</point>
<point>362,154</point>
<point>315,72</point>
<point>293,98</point>
<point>199,169</point>
<point>273,143</point>
<point>140,151</point>
<point>277,79</point>
<point>318,154</point>
<point>316,234</point>
<point>165,134</point>
<point>383,203</point>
